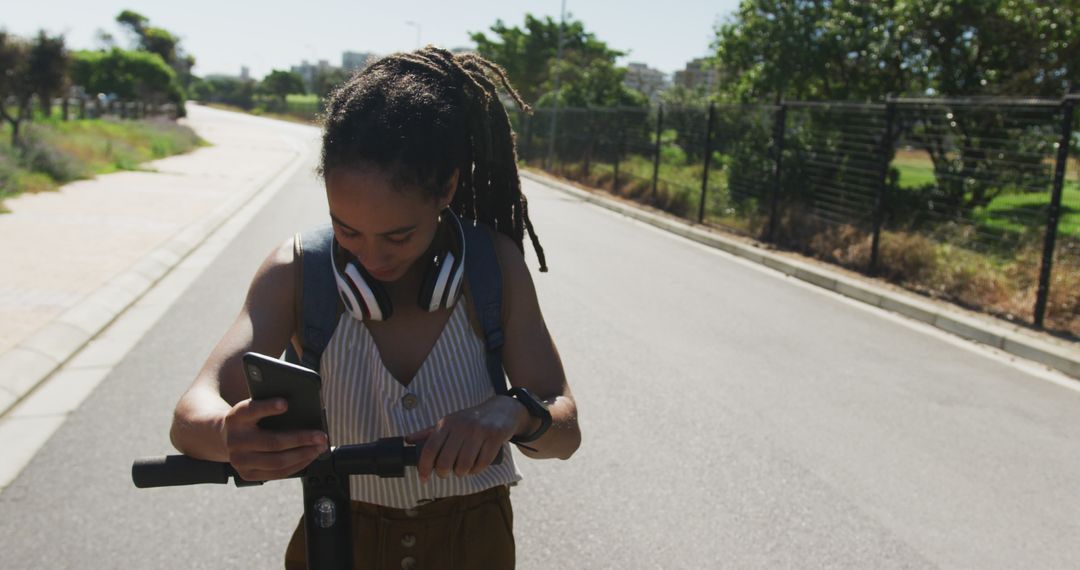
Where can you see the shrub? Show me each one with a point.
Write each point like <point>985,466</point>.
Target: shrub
<point>37,153</point>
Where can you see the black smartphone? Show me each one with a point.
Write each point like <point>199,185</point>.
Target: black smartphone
<point>301,387</point>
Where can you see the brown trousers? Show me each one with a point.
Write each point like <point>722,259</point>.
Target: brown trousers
<point>455,533</point>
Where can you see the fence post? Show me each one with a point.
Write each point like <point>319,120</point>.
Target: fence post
<point>588,142</point>
<point>526,134</point>
<point>620,147</point>
<point>708,161</point>
<point>656,152</point>
<point>879,196</point>
<point>66,107</point>
<point>779,126</point>
<point>82,107</point>
<point>1054,211</point>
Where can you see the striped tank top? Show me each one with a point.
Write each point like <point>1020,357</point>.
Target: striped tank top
<point>364,402</point>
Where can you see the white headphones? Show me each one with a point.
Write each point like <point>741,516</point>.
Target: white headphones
<point>366,299</point>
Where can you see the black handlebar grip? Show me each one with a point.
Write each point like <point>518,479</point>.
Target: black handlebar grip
<point>173,470</point>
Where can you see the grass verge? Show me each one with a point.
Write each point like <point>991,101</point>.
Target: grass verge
<point>51,152</point>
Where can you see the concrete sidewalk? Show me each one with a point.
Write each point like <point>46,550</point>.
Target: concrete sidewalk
<point>76,258</point>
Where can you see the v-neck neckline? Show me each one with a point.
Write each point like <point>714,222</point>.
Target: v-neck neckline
<point>427,357</point>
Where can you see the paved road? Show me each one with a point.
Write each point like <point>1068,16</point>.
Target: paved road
<point>731,418</point>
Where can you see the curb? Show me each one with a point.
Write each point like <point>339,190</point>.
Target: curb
<point>952,321</point>
<point>29,363</point>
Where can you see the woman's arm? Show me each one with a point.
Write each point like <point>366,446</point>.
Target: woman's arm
<point>531,359</point>
<point>215,419</point>
<point>466,442</point>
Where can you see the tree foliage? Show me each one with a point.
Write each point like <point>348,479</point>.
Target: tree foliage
<point>47,68</point>
<point>325,80</point>
<point>15,80</point>
<point>281,83</point>
<point>228,90</point>
<point>854,50</point>
<point>587,75</point>
<point>160,41</point>
<point>127,74</point>
<point>851,50</point>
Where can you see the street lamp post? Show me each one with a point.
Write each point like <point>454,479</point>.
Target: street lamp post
<point>417,26</point>
<point>555,108</point>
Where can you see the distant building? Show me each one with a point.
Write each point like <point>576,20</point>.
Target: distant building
<point>699,74</point>
<point>308,71</point>
<point>463,50</point>
<point>245,73</point>
<point>651,82</point>
<point>354,60</point>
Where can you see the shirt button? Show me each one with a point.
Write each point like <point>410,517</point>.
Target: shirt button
<point>409,401</point>
<point>408,541</point>
<point>408,563</point>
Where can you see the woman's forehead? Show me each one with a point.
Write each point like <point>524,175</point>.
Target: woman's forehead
<point>369,200</point>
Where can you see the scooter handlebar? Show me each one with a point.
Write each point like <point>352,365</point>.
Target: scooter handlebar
<point>386,458</point>
<point>174,470</point>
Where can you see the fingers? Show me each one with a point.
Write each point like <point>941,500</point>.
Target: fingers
<point>420,436</point>
<point>261,455</point>
<point>486,456</point>
<point>260,466</point>
<point>254,410</point>
<point>430,451</point>
<point>448,455</point>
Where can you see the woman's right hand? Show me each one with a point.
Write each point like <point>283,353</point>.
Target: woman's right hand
<point>261,455</point>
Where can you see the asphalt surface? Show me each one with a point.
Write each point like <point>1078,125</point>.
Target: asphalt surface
<point>731,418</point>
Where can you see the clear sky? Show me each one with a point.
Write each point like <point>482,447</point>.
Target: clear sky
<point>225,34</point>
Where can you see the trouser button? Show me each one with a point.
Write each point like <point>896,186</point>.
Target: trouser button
<point>408,563</point>
<point>409,540</point>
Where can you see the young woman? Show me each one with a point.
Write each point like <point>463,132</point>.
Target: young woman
<point>409,144</point>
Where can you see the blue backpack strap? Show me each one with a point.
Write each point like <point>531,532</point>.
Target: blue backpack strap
<point>485,285</point>
<point>318,305</point>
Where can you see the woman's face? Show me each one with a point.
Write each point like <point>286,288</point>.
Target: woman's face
<point>387,228</point>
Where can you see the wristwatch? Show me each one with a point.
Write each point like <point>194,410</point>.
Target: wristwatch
<point>536,409</point>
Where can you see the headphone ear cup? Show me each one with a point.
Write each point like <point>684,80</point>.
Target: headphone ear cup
<point>442,277</point>
<point>425,297</point>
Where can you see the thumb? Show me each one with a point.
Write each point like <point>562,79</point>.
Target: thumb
<point>255,410</point>
<point>420,436</point>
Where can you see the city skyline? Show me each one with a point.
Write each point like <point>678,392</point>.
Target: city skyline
<point>279,40</point>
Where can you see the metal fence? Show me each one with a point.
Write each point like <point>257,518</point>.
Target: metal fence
<point>965,199</point>
<point>94,108</point>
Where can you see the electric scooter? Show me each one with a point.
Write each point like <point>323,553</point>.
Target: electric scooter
<point>327,519</point>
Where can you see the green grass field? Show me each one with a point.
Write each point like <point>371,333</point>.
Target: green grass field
<point>1008,211</point>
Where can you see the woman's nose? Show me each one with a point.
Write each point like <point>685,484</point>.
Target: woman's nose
<point>371,257</point>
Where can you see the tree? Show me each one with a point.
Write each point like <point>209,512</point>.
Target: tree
<point>15,80</point>
<point>588,75</point>
<point>808,49</point>
<point>127,74</point>
<point>864,51</point>
<point>160,41</point>
<point>280,84</point>
<point>228,90</point>
<point>326,79</point>
<point>48,69</point>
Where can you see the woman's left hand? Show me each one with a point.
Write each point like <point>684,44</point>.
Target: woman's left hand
<point>468,440</point>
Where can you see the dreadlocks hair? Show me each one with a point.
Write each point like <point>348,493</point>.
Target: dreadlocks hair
<point>424,114</point>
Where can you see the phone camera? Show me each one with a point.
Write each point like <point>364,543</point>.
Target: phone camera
<point>254,373</point>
